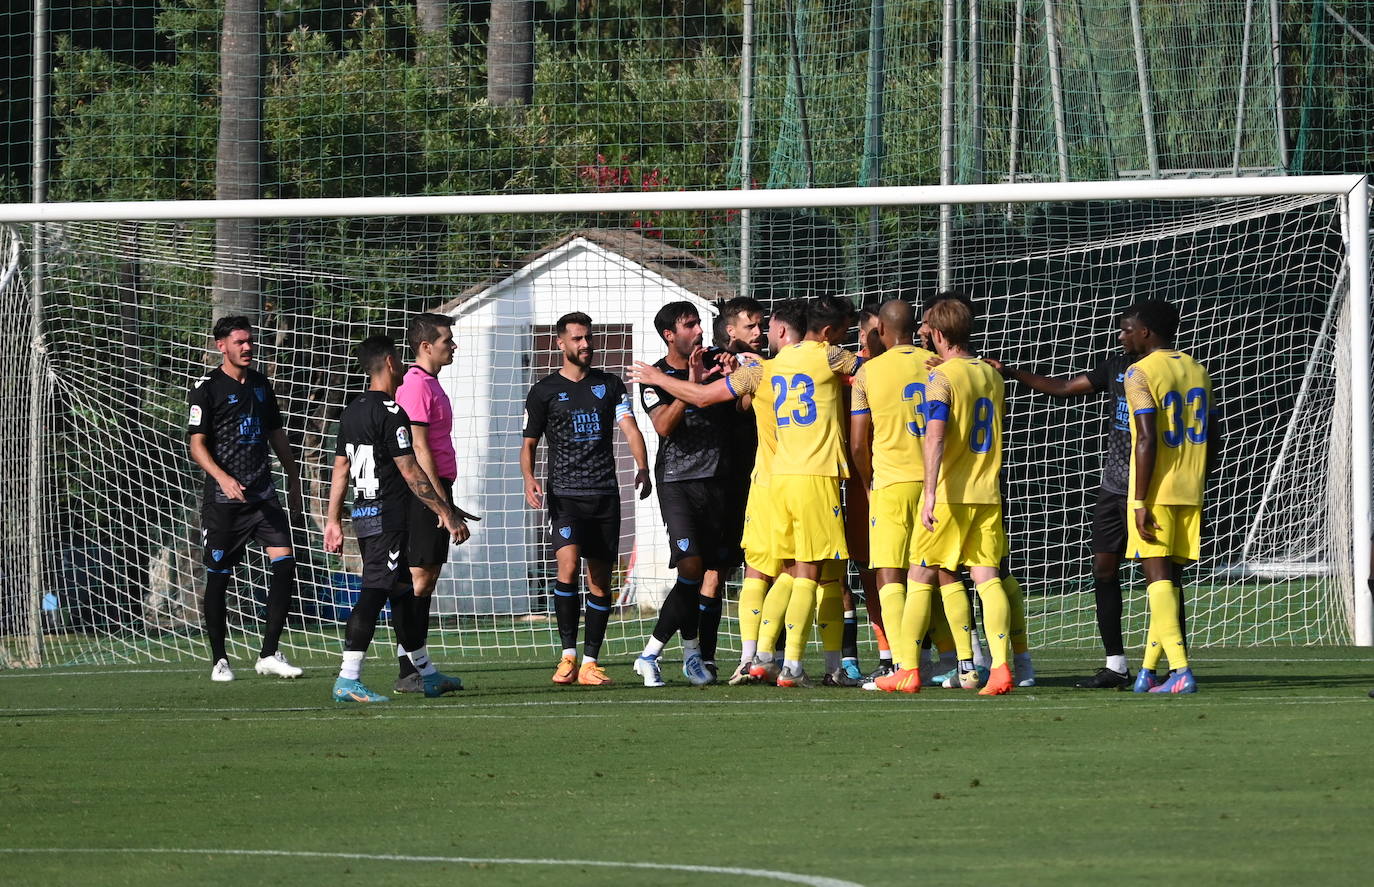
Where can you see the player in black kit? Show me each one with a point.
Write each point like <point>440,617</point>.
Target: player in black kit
<point>376,455</point>
<point>1109,510</point>
<point>575,409</point>
<point>690,470</point>
<point>232,421</point>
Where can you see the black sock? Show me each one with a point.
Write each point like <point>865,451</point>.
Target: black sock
<point>216,612</point>
<point>673,615</point>
<point>419,630</point>
<point>279,594</point>
<point>1108,595</point>
<point>403,605</point>
<point>849,641</point>
<point>708,625</point>
<point>597,616</point>
<point>362,622</point>
<point>566,610</point>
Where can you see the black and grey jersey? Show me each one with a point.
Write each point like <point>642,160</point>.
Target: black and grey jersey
<point>374,431</point>
<point>578,421</point>
<point>695,449</point>
<point>237,419</point>
<point>1110,376</point>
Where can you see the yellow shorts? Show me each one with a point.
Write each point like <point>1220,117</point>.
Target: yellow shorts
<point>757,541</point>
<point>894,513</point>
<point>1179,535</point>
<point>807,521</point>
<point>964,536</point>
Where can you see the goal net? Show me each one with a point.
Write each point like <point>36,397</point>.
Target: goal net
<point>100,551</point>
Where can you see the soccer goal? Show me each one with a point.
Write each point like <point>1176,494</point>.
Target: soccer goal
<point>107,310</point>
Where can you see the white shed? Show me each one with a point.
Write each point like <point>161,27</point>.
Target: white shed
<point>504,334</point>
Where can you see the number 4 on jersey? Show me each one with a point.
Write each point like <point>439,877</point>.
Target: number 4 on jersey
<point>362,466</point>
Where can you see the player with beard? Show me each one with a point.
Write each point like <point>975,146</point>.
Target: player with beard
<point>575,409</point>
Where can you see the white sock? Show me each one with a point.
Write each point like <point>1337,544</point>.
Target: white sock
<point>765,655</point>
<point>832,660</point>
<point>586,659</point>
<point>748,651</point>
<point>1117,664</point>
<point>793,665</point>
<point>568,651</point>
<point>884,655</point>
<point>980,655</point>
<point>352,667</point>
<point>401,651</point>
<point>692,646</point>
<point>652,648</point>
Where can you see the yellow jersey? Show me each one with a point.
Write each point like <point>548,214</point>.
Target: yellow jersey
<point>1178,391</point>
<point>807,401</point>
<point>747,380</point>
<point>892,389</point>
<point>968,395</point>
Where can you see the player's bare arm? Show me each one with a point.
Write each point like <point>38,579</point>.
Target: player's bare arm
<point>860,448</point>
<point>933,450</point>
<point>534,491</point>
<point>333,524</point>
<point>295,500</point>
<point>1074,386</point>
<point>1144,457</point>
<point>667,417</point>
<point>425,491</point>
<point>643,482</point>
<point>696,395</point>
<point>200,453</point>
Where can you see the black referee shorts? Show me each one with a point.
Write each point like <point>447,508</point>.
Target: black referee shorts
<point>694,513</point>
<point>1109,523</point>
<point>384,562</point>
<point>428,540</point>
<point>226,528</point>
<point>592,523</point>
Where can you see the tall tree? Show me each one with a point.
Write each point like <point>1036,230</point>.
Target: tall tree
<point>238,167</point>
<point>510,53</point>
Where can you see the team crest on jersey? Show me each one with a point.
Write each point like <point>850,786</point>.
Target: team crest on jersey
<point>402,438</point>
<point>836,509</point>
<point>599,391</point>
<point>233,399</point>
<point>196,414</point>
<point>260,394</point>
<point>562,396</point>
<point>683,543</point>
<point>651,397</point>
<point>217,554</point>
<point>565,532</point>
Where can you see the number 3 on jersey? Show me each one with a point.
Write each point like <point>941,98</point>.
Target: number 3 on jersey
<point>1178,425</point>
<point>915,394</point>
<point>804,387</point>
<point>363,468</point>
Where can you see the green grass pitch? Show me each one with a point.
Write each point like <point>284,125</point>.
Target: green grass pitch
<point>130,775</point>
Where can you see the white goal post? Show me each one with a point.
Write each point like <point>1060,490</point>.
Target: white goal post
<point>99,553</point>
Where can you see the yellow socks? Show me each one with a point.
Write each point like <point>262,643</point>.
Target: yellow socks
<point>799,611</point>
<point>996,620</point>
<point>830,616</point>
<point>960,617</point>
<point>892,598</point>
<point>915,621</point>
<point>751,608</point>
<point>1020,641</point>
<point>1166,636</point>
<point>774,611</point>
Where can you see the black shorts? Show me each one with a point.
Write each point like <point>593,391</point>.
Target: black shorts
<point>428,540</point>
<point>592,523</point>
<point>732,526</point>
<point>384,562</point>
<point>694,513</point>
<point>226,528</point>
<point>1109,523</point>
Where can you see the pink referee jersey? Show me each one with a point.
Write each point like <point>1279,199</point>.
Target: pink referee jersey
<point>424,400</point>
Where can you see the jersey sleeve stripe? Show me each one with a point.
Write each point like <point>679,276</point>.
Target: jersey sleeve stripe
<point>863,412</point>
<point>937,410</point>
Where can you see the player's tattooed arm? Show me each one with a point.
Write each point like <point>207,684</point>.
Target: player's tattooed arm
<point>420,485</point>
<point>338,488</point>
